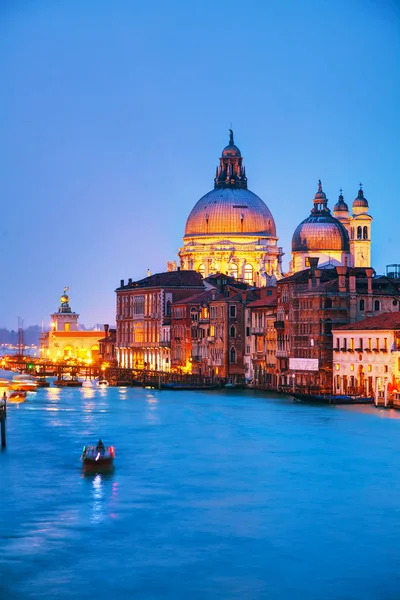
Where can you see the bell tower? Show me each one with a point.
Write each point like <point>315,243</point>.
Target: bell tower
<point>360,232</point>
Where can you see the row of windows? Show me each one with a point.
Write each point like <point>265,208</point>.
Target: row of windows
<point>368,344</point>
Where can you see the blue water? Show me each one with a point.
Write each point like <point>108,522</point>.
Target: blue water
<point>215,495</point>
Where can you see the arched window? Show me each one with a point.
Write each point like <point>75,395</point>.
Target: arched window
<point>365,232</point>
<point>202,270</point>
<point>362,304</point>
<point>377,305</point>
<point>359,232</point>
<point>168,308</point>
<point>232,354</point>
<point>248,274</point>
<point>233,270</point>
<point>232,332</point>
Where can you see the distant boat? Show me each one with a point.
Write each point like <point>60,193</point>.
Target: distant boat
<point>42,382</point>
<point>102,382</point>
<point>235,386</point>
<point>73,382</point>
<point>185,387</point>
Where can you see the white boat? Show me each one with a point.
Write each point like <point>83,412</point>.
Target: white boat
<point>102,383</point>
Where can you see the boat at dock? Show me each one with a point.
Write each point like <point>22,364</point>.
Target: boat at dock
<point>42,382</point>
<point>186,387</point>
<point>73,382</point>
<point>332,399</point>
<point>102,383</point>
<point>98,459</point>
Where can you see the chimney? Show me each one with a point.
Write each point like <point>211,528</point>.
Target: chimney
<point>318,277</point>
<point>213,294</point>
<point>106,327</point>
<point>369,272</point>
<point>178,268</point>
<point>244,295</point>
<point>352,282</point>
<point>122,283</point>
<point>341,271</point>
<point>130,281</point>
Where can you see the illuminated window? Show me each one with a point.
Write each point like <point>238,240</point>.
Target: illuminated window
<point>369,343</point>
<point>351,367</point>
<point>369,368</point>
<point>337,367</point>
<point>202,270</point>
<point>67,326</point>
<point>233,270</point>
<point>248,274</point>
<point>351,343</point>
<point>385,344</point>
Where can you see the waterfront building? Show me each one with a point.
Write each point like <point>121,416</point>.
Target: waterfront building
<point>65,338</point>
<point>366,357</point>
<point>230,229</point>
<point>339,239</point>
<point>310,304</point>
<point>260,342</point>
<point>107,352</point>
<point>143,316</point>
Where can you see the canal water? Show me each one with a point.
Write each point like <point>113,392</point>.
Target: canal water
<point>215,495</point>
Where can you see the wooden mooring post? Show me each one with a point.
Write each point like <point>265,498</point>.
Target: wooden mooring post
<point>3,415</point>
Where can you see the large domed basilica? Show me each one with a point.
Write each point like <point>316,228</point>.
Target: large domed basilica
<point>230,229</point>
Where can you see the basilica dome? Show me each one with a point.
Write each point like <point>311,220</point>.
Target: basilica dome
<point>230,211</point>
<point>320,231</point>
<point>230,208</point>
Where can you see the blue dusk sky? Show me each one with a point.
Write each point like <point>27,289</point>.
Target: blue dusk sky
<point>114,115</point>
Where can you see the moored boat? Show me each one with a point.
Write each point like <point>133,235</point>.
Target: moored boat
<point>24,385</point>
<point>332,399</point>
<point>185,387</point>
<point>42,382</point>
<point>102,383</point>
<point>68,383</point>
<point>98,459</point>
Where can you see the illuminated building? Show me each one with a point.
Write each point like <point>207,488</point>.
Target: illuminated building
<point>231,230</point>
<point>65,339</point>
<point>366,357</point>
<point>144,317</point>
<point>310,304</point>
<point>338,239</point>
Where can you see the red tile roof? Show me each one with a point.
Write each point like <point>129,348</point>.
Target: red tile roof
<point>379,322</point>
<point>263,303</point>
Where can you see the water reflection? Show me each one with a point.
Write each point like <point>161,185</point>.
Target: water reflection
<point>122,393</point>
<point>53,393</point>
<point>88,392</point>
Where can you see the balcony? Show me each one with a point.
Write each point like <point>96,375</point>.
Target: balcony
<point>282,353</point>
<point>257,330</point>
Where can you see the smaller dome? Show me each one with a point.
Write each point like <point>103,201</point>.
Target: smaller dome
<point>360,201</point>
<point>320,233</point>
<point>231,150</point>
<point>341,205</point>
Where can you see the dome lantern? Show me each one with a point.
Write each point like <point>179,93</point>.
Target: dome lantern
<point>230,172</point>
<point>341,205</point>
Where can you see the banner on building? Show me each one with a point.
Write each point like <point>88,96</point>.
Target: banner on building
<point>303,364</point>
